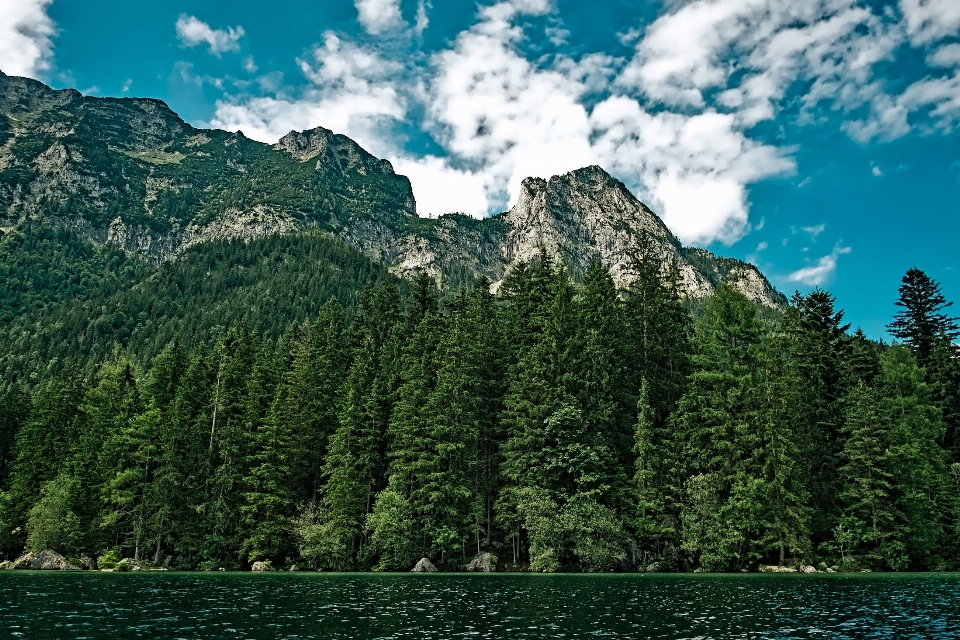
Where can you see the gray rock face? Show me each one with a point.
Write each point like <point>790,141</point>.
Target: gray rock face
<point>260,565</point>
<point>45,560</point>
<point>576,217</point>
<point>483,562</point>
<point>131,173</point>
<point>423,566</point>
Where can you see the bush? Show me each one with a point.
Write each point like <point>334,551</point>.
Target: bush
<point>109,559</point>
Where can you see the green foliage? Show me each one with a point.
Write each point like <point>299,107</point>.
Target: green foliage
<point>109,558</point>
<point>51,522</point>
<point>266,284</point>
<point>373,424</point>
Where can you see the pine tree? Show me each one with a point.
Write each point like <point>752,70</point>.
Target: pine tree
<point>14,412</point>
<point>486,354</point>
<point>919,477</point>
<point>107,410</point>
<point>716,418</point>
<point>46,440</point>
<point>921,321</point>
<point>818,362</point>
<point>866,474</point>
<point>410,445</point>
<point>353,469</point>
<point>657,341</point>
<point>777,456</point>
<point>600,380</point>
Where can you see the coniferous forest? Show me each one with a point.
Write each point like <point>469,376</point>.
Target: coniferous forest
<point>562,426</point>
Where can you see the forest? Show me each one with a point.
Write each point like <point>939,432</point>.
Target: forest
<point>560,425</point>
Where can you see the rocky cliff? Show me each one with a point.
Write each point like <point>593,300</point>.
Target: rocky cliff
<point>131,173</point>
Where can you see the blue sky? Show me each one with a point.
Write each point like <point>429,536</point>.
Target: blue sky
<point>816,139</point>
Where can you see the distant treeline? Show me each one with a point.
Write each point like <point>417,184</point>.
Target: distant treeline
<point>561,426</point>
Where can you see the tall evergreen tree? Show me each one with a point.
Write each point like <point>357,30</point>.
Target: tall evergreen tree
<point>868,511</point>
<point>43,444</point>
<point>818,362</point>
<point>658,343</point>
<point>921,322</point>
<point>721,513</point>
<point>353,470</point>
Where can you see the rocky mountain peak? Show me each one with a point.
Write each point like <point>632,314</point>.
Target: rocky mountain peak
<point>130,172</point>
<point>333,151</point>
<point>24,95</point>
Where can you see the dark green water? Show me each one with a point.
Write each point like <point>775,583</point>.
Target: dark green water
<point>104,605</point>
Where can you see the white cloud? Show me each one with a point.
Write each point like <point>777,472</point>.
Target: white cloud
<point>423,20</point>
<point>351,92</point>
<point>750,52</point>
<point>378,16</point>
<point>946,56</point>
<point>126,85</point>
<point>192,32</point>
<point>249,65</point>
<point>930,20</point>
<point>821,272</point>
<point>675,119</point>
<point>438,188</point>
<point>26,37</point>
<point>814,230</point>
<point>876,171</point>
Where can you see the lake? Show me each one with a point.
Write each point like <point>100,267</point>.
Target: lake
<point>315,605</point>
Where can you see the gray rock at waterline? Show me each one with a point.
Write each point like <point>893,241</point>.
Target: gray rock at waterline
<point>6,564</point>
<point>806,568</point>
<point>88,563</point>
<point>485,562</point>
<point>261,565</point>
<point>46,560</point>
<point>653,567</point>
<point>424,566</point>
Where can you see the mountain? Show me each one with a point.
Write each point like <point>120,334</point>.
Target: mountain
<point>130,173</point>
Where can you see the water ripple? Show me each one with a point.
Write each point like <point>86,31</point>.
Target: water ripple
<point>389,607</point>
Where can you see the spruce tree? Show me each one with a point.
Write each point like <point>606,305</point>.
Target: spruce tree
<point>818,361</point>
<point>43,444</point>
<point>868,510</point>
<point>721,513</point>
<point>354,470</point>
<point>921,322</point>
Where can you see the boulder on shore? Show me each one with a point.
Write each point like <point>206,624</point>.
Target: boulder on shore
<point>485,562</point>
<point>424,566</point>
<point>261,565</point>
<point>45,560</point>
<point>653,567</point>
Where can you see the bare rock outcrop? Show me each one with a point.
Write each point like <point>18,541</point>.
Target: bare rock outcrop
<point>423,566</point>
<point>46,560</point>
<point>483,562</point>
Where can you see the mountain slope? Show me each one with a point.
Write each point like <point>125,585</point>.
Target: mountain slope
<point>130,173</point>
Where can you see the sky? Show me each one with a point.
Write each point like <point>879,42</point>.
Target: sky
<point>815,139</point>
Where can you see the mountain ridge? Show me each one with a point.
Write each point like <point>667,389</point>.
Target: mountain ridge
<point>129,172</point>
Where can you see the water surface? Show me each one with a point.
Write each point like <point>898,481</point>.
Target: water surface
<point>195,605</point>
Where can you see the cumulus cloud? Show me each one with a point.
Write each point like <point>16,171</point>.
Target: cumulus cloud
<point>822,271</point>
<point>927,21</point>
<point>192,32</point>
<point>351,92</point>
<point>674,119</point>
<point>26,37</point>
<point>378,16</point>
